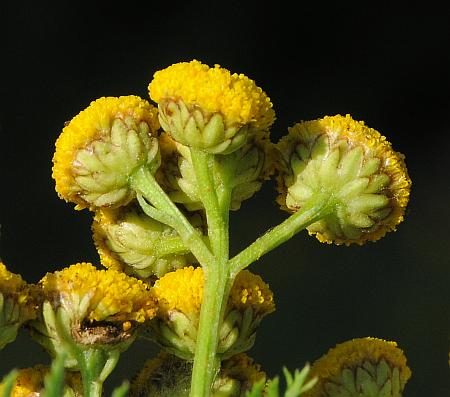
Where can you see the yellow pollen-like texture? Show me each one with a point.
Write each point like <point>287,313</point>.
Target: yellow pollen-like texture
<point>29,381</point>
<point>354,353</point>
<point>104,216</point>
<point>25,295</point>
<point>87,126</point>
<point>214,89</point>
<point>10,283</point>
<point>182,290</point>
<point>250,290</point>
<point>114,296</point>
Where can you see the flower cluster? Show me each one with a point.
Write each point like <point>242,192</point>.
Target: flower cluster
<point>160,182</point>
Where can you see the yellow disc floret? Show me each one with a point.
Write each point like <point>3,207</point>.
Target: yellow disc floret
<point>182,290</point>
<point>107,121</point>
<point>214,89</point>
<point>100,295</point>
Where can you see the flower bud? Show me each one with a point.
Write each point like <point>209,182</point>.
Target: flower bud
<point>362,367</point>
<point>367,181</point>
<point>169,376</point>
<point>101,147</point>
<point>18,304</point>
<point>209,108</point>
<point>30,383</point>
<point>242,171</point>
<point>130,241</point>
<point>179,296</point>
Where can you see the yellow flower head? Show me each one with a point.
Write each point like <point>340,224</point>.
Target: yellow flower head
<point>99,148</point>
<point>14,287</point>
<point>360,365</point>
<point>209,108</point>
<point>214,89</point>
<point>367,180</point>
<point>182,291</point>
<point>100,295</point>
<point>130,241</point>
<point>30,382</point>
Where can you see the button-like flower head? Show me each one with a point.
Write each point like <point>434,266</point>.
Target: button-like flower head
<point>180,295</point>
<point>366,179</point>
<point>128,240</point>
<point>209,108</point>
<point>362,367</point>
<point>18,304</point>
<point>89,308</point>
<point>95,296</point>
<point>99,149</point>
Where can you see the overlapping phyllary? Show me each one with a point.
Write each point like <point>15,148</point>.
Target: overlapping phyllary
<point>160,182</point>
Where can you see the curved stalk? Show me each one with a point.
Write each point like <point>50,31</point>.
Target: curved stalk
<point>317,208</point>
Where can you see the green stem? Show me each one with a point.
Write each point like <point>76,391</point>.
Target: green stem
<point>217,276</point>
<point>203,163</point>
<point>317,208</point>
<point>206,362</point>
<point>95,366</point>
<point>144,183</point>
<point>170,245</point>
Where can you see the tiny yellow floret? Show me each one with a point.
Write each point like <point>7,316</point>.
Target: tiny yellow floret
<point>111,296</point>
<point>214,89</point>
<point>250,290</point>
<point>182,290</point>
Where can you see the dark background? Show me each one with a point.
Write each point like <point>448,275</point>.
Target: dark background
<point>386,64</point>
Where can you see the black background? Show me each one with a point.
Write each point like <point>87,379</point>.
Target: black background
<point>386,64</point>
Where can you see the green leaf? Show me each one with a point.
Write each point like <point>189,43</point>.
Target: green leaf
<point>54,381</point>
<point>122,390</point>
<point>296,385</point>
<point>257,389</point>
<point>8,383</point>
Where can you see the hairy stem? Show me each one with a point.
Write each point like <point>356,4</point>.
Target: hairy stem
<point>145,184</point>
<point>217,276</point>
<point>317,208</point>
<point>217,219</point>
